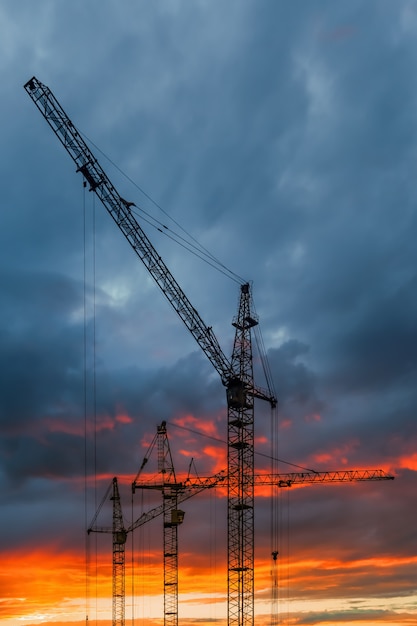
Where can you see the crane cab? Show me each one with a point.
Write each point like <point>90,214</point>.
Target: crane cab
<point>236,394</point>
<point>177,517</point>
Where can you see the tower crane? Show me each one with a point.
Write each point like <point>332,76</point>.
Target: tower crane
<point>119,534</point>
<point>175,492</point>
<point>236,374</point>
<point>172,518</point>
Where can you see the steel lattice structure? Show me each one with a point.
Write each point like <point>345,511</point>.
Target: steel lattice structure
<point>119,536</point>
<point>119,540</point>
<point>175,492</point>
<point>240,471</point>
<point>236,374</point>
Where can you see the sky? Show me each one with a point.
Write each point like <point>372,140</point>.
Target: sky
<point>282,137</point>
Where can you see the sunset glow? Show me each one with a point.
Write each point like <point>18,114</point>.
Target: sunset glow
<point>31,595</point>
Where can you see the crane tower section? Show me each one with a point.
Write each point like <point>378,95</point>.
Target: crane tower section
<point>240,469</point>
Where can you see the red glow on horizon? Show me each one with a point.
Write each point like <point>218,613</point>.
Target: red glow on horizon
<point>44,580</point>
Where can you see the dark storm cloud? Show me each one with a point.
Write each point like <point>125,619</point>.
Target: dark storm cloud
<point>40,344</point>
<point>378,347</point>
<point>43,384</point>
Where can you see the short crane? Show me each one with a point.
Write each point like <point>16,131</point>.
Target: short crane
<point>119,535</point>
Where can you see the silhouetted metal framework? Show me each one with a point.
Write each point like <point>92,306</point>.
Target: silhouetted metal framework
<point>240,465</point>
<point>119,536</point>
<point>175,492</point>
<point>172,518</point>
<point>119,540</point>
<point>236,376</point>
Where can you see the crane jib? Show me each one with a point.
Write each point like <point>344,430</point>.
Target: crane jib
<point>119,209</point>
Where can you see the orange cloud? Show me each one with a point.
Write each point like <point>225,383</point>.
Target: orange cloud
<point>338,456</point>
<point>408,462</point>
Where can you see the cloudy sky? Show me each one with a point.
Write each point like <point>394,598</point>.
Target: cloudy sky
<point>282,137</point>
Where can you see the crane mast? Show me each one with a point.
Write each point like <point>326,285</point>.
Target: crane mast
<point>240,466</point>
<point>172,517</point>
<point>170,489</point>
<point>119,536</point>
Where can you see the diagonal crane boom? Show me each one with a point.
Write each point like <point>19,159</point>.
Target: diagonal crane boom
<point>87,164</point>
<point>119,209</point>
<point>236,374</point>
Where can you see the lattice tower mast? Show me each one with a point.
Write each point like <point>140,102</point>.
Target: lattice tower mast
<point>119,536</point>
<point>240,470</point>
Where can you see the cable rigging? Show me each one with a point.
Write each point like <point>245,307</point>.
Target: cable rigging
<point>90,389</point>
<point>222,441</point>
<point>196,248</point>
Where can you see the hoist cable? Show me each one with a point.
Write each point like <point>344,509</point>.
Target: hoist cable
<point>202,251</point>
<point>89,396</point>
<point>263,356</point>
<point>185,246</point>
<point>267,456</point>
<point>94,347</point>
<point>215,263</point>
<point>275,498</point>
<point>87,543</point>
